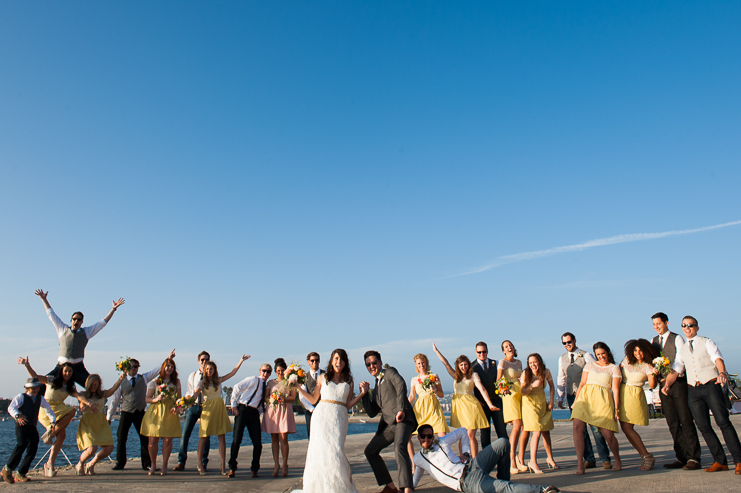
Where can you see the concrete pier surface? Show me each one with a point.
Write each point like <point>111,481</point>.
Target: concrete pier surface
<point>630,479</point>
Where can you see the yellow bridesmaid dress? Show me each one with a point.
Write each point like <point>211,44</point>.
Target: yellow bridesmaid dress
<point>55,398</point>
<point>427,409</point>
<point>467,411</point>
<point>512,404</point>
<point>214,418</point>
<point>94,428</point>
<point>633,406</point>
<point>595,405</point>
<point>159,421</point>
<point>535,413</point>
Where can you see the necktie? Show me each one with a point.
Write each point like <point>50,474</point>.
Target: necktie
<point>692,347</point>
<point>572,357</point>
<point>200,379</point>
<point>262,399</point>
<point>133,380</point>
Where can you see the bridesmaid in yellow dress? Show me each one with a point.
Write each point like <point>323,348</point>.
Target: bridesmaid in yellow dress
<point>511,369</point>
<point>597,403</point>
<point>467,412</point>
<point>427,409</point>
<point>637,368</point>
<point>279,420</point>
<point>159,421</point>
<point>58,388</point>
<point>94,430</point>
<point>214,418</point>
<point>537,414</point>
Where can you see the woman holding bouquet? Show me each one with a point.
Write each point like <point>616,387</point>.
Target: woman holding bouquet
<point>94,430</point>
<point>597,403</point>
<point>59,387</point>
<point>278,417</point>
<point>214,418</point>
<point>511,368</point>
<point>467,412</point>
<point>536,412</point>
<point>159,421</point>
<point>426,387</point>
<point>633,408</point>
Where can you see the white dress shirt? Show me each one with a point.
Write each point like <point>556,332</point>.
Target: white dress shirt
<point>63,327</point>
<point>561,384</point>
<point>248,392</point>
<point>711,348</point>
<point>116,399</point>
<point>441,462</point>
<point>18,402</point>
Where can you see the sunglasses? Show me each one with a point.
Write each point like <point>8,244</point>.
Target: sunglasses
<point>77,319</point>
<point>313,361</point>
<point>689,325</point>
<point>481,352</point>
<point>426,436</point>
<point>266,371</point>
<point>371,363</point>
<point>567,342</point>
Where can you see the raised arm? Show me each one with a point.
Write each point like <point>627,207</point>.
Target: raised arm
<point>41,294</point>
<point>31,371</point>
<point>116,304</point>
<point>313,398</point>
<point>229,375</point>
<point>444,360</point>
<point>484,393</point>
<point>115,387</point>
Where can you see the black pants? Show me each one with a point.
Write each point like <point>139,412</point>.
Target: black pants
<point>397,434</point>
<point>307,416</point>
<point>124,425</point>
<point>79,375</point>
<point>709,397</point>
<point>28,441</point>
<point>676,409</point>
<point>497,417</point>
<point>246,417</point>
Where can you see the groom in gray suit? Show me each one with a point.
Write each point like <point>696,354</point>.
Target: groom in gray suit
<point>389,397</point>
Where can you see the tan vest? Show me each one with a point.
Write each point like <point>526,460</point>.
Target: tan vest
<point>697,363</point>
<point>573,370</point>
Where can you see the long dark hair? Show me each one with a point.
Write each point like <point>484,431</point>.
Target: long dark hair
<point>58,382</point>
<point>459,375</point>
<point>649,353</point>
<point>214,380</point>
<point>529,377</point>
<point>602,345</point>
<point>174,376</point>
<point>345,374</point>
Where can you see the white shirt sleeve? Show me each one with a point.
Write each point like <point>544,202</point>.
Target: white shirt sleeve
<point>589,358</point>
<point>678,343</point>
<point>239,389</point>
<point>307,405</point>
<point>115,399</point>
<point>713,350</point>
<point>58,324</point>
<point>14,405</point>
<point>561,382</point>
<point>191,383</point>
<point>148,377</point>
<point>678,364</point>
<point>94,329</point>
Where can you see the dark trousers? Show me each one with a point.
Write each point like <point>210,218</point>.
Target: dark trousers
<point>192,415</point>
<point>28,440</point>
<point>307,416</point>
<point>709,397</point>
<point>494,456</point>
<point>246,417</point>
<point>397,434</point>
<point>496,417</point>
<point>602,449</point>
<point>124,425</point>
<point>676,409</point>
<point>79,374</point>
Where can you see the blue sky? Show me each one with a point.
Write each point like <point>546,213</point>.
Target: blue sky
<point>279,177</point>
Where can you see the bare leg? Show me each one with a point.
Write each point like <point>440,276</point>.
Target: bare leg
<point>57,446</point>
<point>166,450</point>
<point>102,454</point>
<point>474,443</point>
<point>284,450</point>
<point>154,443</point>
<point>614,447</point>
<point>579,444</point>
<point>275,446</point>
<point>634,438</point>
<point>513,439</point>
<point>201,447</point>
<point>524,435</point>
<point>549,449</point>
<point>533,463</point>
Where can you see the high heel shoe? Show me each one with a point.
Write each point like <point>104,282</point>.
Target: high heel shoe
<point>647,462</point>
<point>285,471</point>
<point>276,471</point>
<point>513,471</point>
<point>552,465</point>
<point>48,471</point>
<point>519,465</point>
<point>79,471</point>
<point>201,472</point>
<point>89,470</point>
<point>533,467</point>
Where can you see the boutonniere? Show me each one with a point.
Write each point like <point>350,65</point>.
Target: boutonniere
<point>382,373</point>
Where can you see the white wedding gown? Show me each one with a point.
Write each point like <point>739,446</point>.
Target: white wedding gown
<point>327,469</point>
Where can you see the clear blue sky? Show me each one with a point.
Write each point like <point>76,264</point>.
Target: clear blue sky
<point>279,177</point>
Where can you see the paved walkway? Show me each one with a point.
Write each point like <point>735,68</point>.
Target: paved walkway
<point>630,479</point>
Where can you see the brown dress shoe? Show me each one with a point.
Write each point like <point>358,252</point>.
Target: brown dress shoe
<point>254,474</point>
<point>716,467</point>
<point>231,473</point>
<point>389,489</point>
<point>675,465</point>
<point>692,465</point>
<point>607,465</point>
<point>179,467</point>
<point>738,468</point>
<point>589,465</point>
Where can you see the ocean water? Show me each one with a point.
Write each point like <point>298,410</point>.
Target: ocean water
<point>8,441</point>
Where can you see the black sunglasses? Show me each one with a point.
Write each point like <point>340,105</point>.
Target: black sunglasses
<point>371,363</point>
<point>567,342</point>
<point>426,436</point>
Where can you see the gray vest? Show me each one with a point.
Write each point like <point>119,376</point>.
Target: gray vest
<point>72,344</point>
<point>573,370</point>
<point>133,398</point>
<point>30,409</point>
<point>670,346</point>
<point>697,363</point>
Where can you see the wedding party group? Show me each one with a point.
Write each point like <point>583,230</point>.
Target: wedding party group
<point>603,395</point>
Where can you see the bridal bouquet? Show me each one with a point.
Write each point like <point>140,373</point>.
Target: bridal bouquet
<point>295,375</point>
<point>277,398</point>
<point>166,390</point>
<point>429,383</point>
<point>124,365</point>
<point>183,404</point>
<point>662,365</point>
<point>504,386</point>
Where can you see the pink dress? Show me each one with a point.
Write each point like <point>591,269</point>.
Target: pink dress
<point>278,419</point>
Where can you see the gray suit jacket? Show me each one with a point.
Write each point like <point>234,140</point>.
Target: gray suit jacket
<point>389,398</point>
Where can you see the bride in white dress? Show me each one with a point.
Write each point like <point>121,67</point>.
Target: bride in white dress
<point>327,469</point>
